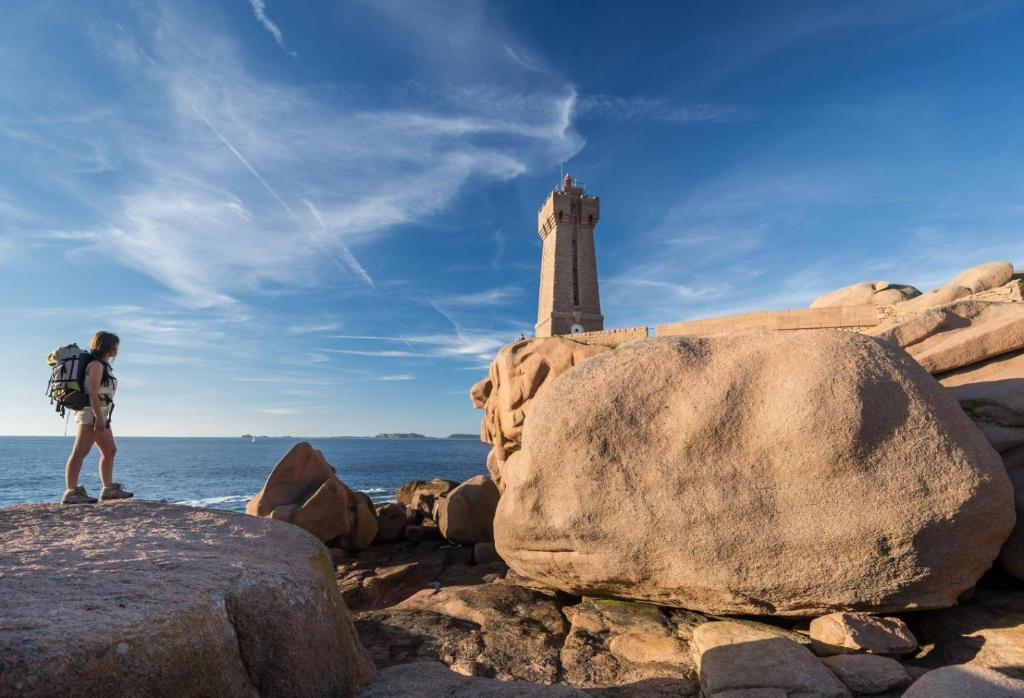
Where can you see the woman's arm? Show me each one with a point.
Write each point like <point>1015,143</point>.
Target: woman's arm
<point>95,373</point>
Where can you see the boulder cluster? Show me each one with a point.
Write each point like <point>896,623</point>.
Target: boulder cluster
<point>745,514</point>
<point>304,489</point>
<point>740,515</point>
<point>984,277</point>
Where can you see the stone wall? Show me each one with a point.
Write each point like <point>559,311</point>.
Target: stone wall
<point>610,338</point>
<point>856,318</point>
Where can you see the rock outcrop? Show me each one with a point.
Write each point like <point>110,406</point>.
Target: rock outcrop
<point>519,374</point>
<point>150,599</point>
<point>496,630</point>
<point>765,473</point>
<point>303,489</point>
<point>622,643</point>
<point>387,574</point>
<point>420,495</point>
<point>959,334</point>
<point>983,277</point>
<point>427,679</point>
<point>876,292</point>
<point>466,514</point>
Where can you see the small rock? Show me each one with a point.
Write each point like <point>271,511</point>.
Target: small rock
<point>485,553</point>
<point>392,518</point>
<point>965,682</point>
<point>421,534</point>
<point>732,656</point>
<point>466,514</point>
<point>848,633</point>
<point>915,672</point>
<point>868,673</point>
<point>651,648</point>
<point>419,495</point>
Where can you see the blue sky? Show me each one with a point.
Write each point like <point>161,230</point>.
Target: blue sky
<point>319,218</point>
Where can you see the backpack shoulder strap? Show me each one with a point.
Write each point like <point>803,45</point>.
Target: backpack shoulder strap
<point>105,380</point>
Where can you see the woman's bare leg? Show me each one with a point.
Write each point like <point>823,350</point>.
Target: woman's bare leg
<point>105,442</point>
<point>83,442</point>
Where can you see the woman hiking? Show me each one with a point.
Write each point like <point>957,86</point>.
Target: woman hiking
<point>94,424</point>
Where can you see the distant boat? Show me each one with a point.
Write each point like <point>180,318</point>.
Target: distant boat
<point>253,440</point>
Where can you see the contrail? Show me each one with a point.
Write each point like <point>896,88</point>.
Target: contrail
<point>357,268</point>
<point>346,253</point>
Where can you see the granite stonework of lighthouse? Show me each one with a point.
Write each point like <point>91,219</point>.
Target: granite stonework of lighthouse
<point>569,301</point>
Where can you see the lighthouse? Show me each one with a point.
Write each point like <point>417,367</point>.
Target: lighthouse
<point>569,301</point>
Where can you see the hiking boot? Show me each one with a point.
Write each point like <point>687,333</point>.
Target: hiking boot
<point>115,491</point>
<point>77,495</point>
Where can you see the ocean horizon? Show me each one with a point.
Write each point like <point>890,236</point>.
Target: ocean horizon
<point>225,472</point>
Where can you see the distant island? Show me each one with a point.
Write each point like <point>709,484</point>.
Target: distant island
<point>382,435</point>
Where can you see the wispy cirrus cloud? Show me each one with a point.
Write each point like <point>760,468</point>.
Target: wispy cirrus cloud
<point>642,108</point>
<point>488,297</point>
<point>234,184</point>
<point>311,327</point>
<point>391,377</point>
<point>380,353</point>
<point>463,345</point>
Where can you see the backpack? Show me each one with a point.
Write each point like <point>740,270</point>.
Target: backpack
<point>66,387</point>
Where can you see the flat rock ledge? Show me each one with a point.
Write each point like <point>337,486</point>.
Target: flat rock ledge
<point>144,598</point>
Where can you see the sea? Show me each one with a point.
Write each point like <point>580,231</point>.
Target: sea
<point>223,473</point>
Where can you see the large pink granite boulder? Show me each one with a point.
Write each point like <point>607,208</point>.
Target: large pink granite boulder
<point>149,599</point>
<point>785,473</point>
<point>304,490</point>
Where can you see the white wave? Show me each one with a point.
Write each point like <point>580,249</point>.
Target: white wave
<point>211,501</point>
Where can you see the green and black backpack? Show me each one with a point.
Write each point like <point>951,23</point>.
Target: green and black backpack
<point>66,388</point>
